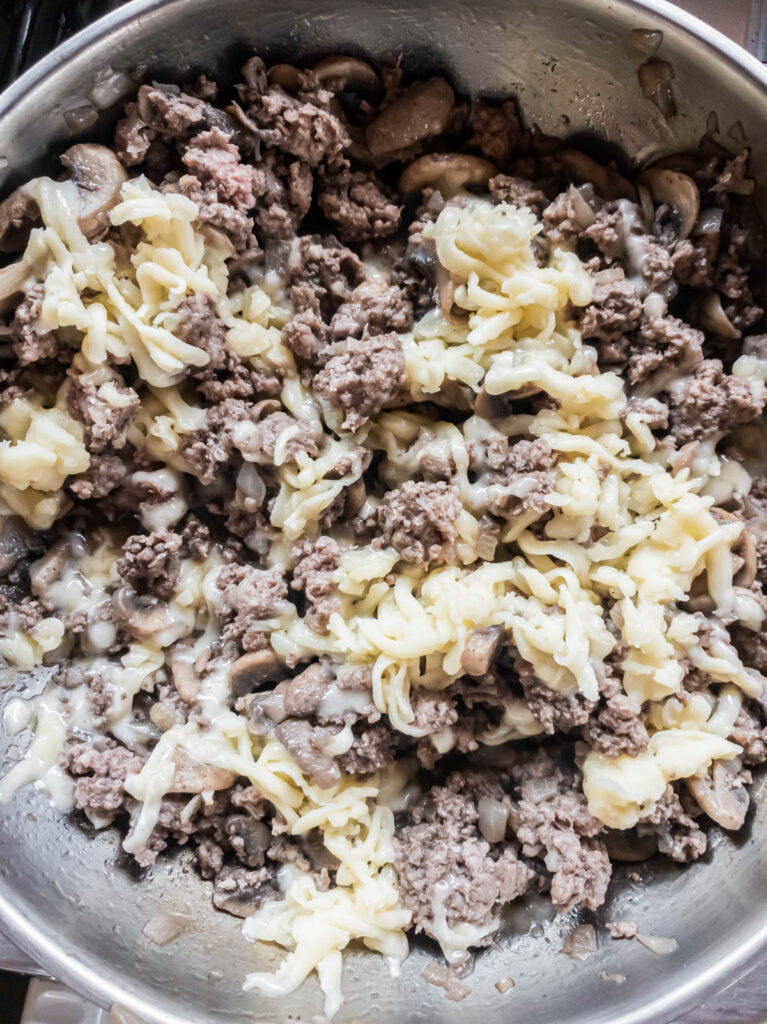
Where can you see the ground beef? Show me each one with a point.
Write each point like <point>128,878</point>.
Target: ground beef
<point>621,929</point>
<point>251,596</point>
<point>373,308</point>
<point>755,515</point>
<point>692,265</point>
<point>444,866</point>
<point>23,615</point>
<point>418,520</point>
<point>323,274</point>
<point>205,450</point>
<point>198,324</point>
<point>105,474</point>
<point>615,309</point>
<point>307,337</point>
<point>679,836</point>
<point>235,224</point>
<point>556,712</point>
<point>300,127</point>
<point>100,776</point>
<point>171,113</point>
<point>243,891</point>
<point>313,572</point>
<point>30,345</point>
<point>374,747</point>
<point>133,137</point>
<point>364,378</point>
<point>663,344</point>
<point>519,476</point>
<point>283,190</point>
<point>517,191</point>
<point>262,446</point>
<point>562,223</point>
<point>107,412</point>
<point>216,163</point>
<point>150,563</point>
<point>497,130</point>
<point>750,733</point>
<point>358,204</point>
<point>618,727</point>
<point>710,402</point>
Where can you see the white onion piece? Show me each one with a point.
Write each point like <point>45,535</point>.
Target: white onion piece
<point>658,945</point>
<point>581,942</point>
<point>164,928</point>
<point>655,78</point>
<point>583,212</point>
<point>709,222</point>
<point>537,790</point>
<point>108,87</point>
<point>80,119</point>
<point>493,818</point>
<point>250,483</point>
<point>643,42</point>
<point>617,978</point>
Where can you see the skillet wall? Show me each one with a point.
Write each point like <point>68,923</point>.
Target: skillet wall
<point>61,897</point>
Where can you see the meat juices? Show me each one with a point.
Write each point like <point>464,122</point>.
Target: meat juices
<point>300,193</point>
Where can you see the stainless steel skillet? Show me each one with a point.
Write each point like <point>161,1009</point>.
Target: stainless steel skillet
<point>62,896</point>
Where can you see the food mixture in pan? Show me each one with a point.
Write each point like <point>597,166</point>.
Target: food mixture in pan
<point>384,493</point>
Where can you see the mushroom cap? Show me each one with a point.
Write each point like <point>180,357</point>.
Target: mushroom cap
<point>676,189</point>
<point>286,76</point>
<point>421,111</point>
<point>348,74</point>
<point>608,183</point>
<point>13,281</point>
<point>140,616</point>
<point>447,171</point>
<point>253,669</point>
<point>192,777</point>
<point>99,177</point>
<point>19,213</point>
<point>725,804</point>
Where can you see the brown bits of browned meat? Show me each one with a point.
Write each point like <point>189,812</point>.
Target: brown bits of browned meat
<point>300,127</point>
<point>363,379</point>
<point>618,727</point>
<point>497,131</point>
<point>517,191</point>
<point>374,307</point>
<point>198,323</point>
<point>615,308</point>
<point>519,476</point>
<point>205,450</point>
<point>679,836</point>
<point>710,402</point>
<point>265,447</point>
<point>307,337</point>
<point>30,344</point>
<point>445,867</point>
<point>105,474</point>
<point>692,264</point>
<point>235,224</point>
<point>107,412</point>
<point>251,596</point>
<point>418,520</point>
<point>100,775</point>
<point>313,572</point>
<point>664,344</point>
<point>359,204</point>
<point>243,891</point>
<point>323,274</point>
<point>283,190</point>
<point>150,563</point>
<point>556,712</point>
<point>552,820</point>
<point>216,163</point>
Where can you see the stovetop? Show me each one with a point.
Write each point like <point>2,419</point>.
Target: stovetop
<point>29,29</point>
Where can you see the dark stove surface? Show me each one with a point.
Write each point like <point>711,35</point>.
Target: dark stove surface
<point>31,28</point>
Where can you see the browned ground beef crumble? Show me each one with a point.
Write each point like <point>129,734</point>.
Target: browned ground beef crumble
<point>289,178</point>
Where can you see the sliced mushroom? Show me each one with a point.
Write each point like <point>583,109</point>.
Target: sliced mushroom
<point>356,496</point>
<point>46,570</point>
<point>99,177</point>
<point>712,317</point>
<point>446,292</point>
<point>453,394</point>
<point>252,670</point>
<point>286,76</point>
<point>19,213</point>
<point>448,172</point>
<point>241,891</point>
<point>481,649</point>
<point>139,616</point>
<point>192,777</point>
<point>348,74</point>
<point>421,111</point>
<point>16,541</point>
<point>607,182</point>
<point>13,280</point>
<point>724,803</point>
<point>677,190</point>
<point>185,681</point>
<point>302,740</point>
<point>488,535</point>
<point>746,548</point>
<point>249,839</point>
<point>630,848</point>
